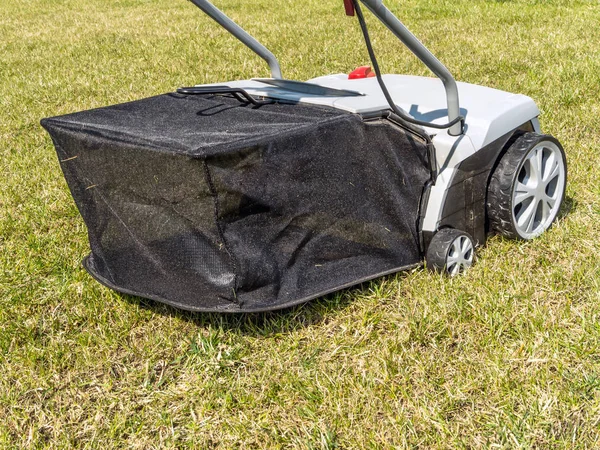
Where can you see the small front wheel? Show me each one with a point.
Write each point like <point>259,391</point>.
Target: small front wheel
<point>451,251</point>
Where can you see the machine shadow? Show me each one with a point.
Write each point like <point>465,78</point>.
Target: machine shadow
<point>433,115</point>
<point>287,320</point>
<point>569,205</point>
<point>269,323</point>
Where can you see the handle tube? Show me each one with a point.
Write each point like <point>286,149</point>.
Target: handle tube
<point>414,45</point>
<point>218,16</point>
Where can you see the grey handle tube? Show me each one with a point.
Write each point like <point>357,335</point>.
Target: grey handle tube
<point>414,45</point>
<point>218,16</point>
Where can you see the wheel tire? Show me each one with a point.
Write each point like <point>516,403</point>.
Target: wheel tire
<point>527,187</point>
<point>451,252</point>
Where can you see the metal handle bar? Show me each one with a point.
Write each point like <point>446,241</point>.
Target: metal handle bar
<point>241,34</point>
<point>414,45</point>
<point>388,19</point>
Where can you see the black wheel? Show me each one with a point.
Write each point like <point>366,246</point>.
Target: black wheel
<point>527,187</point>
<point>451,251</point>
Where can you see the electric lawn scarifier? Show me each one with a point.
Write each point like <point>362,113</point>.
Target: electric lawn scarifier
<point>260,194</point>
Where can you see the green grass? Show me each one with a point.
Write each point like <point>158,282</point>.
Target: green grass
<point>507,356</point>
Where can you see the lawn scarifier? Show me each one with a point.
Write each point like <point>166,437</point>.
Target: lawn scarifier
<point>260,194</point>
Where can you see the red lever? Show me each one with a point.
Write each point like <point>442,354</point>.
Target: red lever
<point>349,5</point>
<point>361,72</point>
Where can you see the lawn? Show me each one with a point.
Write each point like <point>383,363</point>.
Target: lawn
<point>506,356</point>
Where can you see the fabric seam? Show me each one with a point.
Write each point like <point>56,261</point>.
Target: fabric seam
<point>214,195</point>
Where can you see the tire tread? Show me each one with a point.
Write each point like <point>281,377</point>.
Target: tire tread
<point>499,193</point>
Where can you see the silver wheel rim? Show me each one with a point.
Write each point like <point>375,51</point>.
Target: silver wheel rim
<point>538,190</point>
<point>460,255</point>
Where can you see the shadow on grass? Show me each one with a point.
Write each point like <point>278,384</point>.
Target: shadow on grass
<point>569,205</point>
<point>284,320</point>
<point>269,323</point>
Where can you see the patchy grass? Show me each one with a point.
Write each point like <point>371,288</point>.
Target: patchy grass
<point>507,356</point>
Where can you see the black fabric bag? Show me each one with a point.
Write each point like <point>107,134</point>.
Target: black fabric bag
<point>209,204</point>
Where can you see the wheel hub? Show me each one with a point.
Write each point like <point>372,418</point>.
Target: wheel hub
<point>537,192</point>
<point>460,255</point>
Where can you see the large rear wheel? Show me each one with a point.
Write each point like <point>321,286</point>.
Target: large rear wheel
<point>527,187</point>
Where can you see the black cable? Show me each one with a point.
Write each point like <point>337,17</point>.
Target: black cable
<point>388,97</point>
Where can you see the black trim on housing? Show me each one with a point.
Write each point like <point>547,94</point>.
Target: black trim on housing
<point>464,207</point>
<point>424,236</point>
